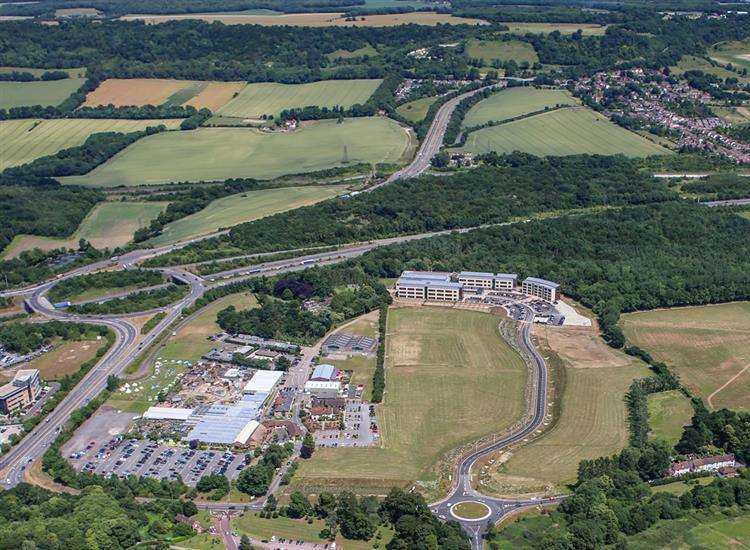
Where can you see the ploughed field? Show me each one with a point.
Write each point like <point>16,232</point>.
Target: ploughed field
<point>108,225</point>
<point>513,102</point>
<point>707,346</point>
<point>122,92</point>
<point>215,154</point>
<point>24,140</point>
<point>270,98</point>
<point>450,380</point>
<point>569,131</point>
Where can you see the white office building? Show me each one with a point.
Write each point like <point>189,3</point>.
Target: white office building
<point>505,281</point>
<point>427,285</point>
<point>540,288</point>
<point>476,279</point>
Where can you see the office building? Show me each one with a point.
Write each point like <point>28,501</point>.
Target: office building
<point>546,290</point>
<point>20,392</point>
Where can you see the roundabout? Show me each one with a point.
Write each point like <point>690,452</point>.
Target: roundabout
<point>470,510</point>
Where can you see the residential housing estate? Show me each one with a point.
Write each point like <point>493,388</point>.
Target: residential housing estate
<point>440,286</point>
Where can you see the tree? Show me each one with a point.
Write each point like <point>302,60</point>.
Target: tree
<point>245,543</point>
<point>255,480</point>
<point>308,446</point>
<point>441,159</point>
<point>299,506</point>
<point>271,503</point>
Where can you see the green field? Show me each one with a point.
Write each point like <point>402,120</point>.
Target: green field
<point>590,381</point>
<point>707,346</point>
<point>416,110</point>
<point>450,379</point>
<point>180,352</point>
<point>735,52</point>
<point>546,28</point>
<point>692,63</point>
<point>31,138</point>
<point>514,102</point>
<point>668,412</point>
<point>108,225</point>
<point>214,154</point>
<point>489,50</point>
<point>243,207</point>
<point>570,131</point>
<point>680,487</point>
<point>270,98</point>
<point>352,54</point>
<point>698,530</point>
<point>44,93</point>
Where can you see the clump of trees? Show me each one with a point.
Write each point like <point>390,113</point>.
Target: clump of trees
<point>255,479</point>
<point>137,301</point>
<point>104,279</point>
<point>26,337</point>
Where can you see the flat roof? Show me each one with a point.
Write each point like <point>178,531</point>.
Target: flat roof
<point>543,282</point>
<point>447,286</point>
<point>506,276</point>
<point>323,384</point>
<point>426,275</point>
<point>476,274</point>
<point>167,413</point>
<point>263,381</point>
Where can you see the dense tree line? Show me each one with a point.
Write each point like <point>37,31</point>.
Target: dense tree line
<point>37,210</point>
<point>104,279</point>
<point>196,50</point>
<point>134,112</point>
<point>720,186</point>
<point>458,114</point>
<point>378,377</point>
<point>122,7</point>
<point>725,430</point>
<point>138,301</point>
<point>32,266</point>
<point>25,76</point>
<point>518,186</point>
<point>26,337</point>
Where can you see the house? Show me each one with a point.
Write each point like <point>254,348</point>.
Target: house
<point>706,464</point>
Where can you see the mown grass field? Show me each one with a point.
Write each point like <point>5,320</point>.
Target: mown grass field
<point>214,154</point>
<point>668,413</point>
<point>243,207</point>
<point>270,98</point>
<point>352,54</point>
<point>66,358</point>
<point>590,380</point>
<point>24,140</point>
<point>109,224</point>
<point>513,102</point>
<point>489,50</point>
<point>707,346</point>
<point>416,110</point>
<point>450,379</point>
<point>570,131</point>
<point>564,28</point>
<point>163,91</point>
<point>44,93</point>
<point>314,19</point>
<point>179,352</point>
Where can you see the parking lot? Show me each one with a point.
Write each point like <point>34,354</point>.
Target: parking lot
<point>360,428</point>
<point>141,458</point>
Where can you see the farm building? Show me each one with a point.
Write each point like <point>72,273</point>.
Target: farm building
<point>343,342</point>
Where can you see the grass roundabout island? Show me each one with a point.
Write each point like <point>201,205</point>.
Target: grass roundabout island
<point>470,510</point>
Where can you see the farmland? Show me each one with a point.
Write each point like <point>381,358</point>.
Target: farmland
<point>270,98</point>
<point>564,28</point>
<point>158,91</point>
<point>109,225</point>
<point>416,110</point>
<point>692,63</point>
<point>668,412</point>
<point>44,93</point>
<point>489,50</point>
<point>697,530</point>
<point>707,346</point>
<point>244,207</point>
<point>314,19</point>
<point>210,154</point>
<point>568,131</point>
<point>514,102</point>
<point>31,138</point>
<point>450,379</point>
<point>590,380</point>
